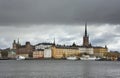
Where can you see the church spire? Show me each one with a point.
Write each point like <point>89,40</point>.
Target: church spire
<point>86,37</point>
<point>18,41</point>
<point>86,29</point>
<point>54,41</point>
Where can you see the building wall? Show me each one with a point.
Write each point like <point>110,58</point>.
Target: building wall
<point>59,52</point>
<point>48,53</point>
<point>42,46</point>
<point>85,41</point>
<point>86,50</point>
<point>25,49</point>
<point>38,54</point>
<point>100,51</point>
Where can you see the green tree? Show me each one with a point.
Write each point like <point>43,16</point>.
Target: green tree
<point>4,54</point>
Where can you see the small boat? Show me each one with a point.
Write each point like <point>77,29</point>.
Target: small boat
<point>20,58</point>
<point>97,59</point>
<point>72,58</point>
<point>87,57</point>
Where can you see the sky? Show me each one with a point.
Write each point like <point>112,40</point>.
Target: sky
<point>43,20</point>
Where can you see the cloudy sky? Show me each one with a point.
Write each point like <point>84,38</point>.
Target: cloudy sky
<point>42,20</point>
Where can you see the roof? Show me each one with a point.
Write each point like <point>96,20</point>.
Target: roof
<point>40,50</point>
<point>44,44</point>
<point>98,47</point>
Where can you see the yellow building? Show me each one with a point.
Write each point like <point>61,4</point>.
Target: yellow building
<point>100,51</point>
<point>38,54</point>
<point>64,51</point>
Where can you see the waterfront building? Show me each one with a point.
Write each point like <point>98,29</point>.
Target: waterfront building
<point>38,54</point>
<point>59,52</point>
<point>87,50</point>
<point>100,51</point>
<point>12,54</point>
<point>23,50</point>
<point>112,55</point>
<point>48,52</point>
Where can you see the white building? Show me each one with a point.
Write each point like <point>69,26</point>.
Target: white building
<point>47,49</point>
<point>86,50</point>
<point>48,53</point>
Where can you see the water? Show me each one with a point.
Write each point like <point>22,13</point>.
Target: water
<point>59,69</point>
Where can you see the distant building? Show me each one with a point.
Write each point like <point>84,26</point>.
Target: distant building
<point>12,54</point>
<point>100,51</point>
<point>38,54</point>
<point>86,38</point>
<point>48,52</point>
<point>47,49</point>
<point>59,52</point>
<point>86,50</point>
<point>23,50</point>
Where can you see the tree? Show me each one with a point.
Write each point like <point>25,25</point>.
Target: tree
<point>4,54</point>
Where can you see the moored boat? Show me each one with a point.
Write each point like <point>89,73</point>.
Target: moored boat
<point>87,57</point>
<point>20,58</point>
<point>72,58</point>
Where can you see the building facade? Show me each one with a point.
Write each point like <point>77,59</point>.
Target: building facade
<point>100,51</point>
<point>38,54</point>
<point>89,51</point>
<point>23,50</point>
<point>48,52</point>
<point>59,52</point>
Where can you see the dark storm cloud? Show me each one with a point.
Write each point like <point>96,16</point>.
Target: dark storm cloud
<point>59,11</point>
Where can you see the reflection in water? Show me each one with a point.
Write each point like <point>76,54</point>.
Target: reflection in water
<point>59,69</point>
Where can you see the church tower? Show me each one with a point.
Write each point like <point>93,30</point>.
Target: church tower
<point>14,45</point>
<point>86,37</point>
<point>54,42</point>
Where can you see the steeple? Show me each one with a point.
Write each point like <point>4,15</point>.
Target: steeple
<point>86,37</point>
<point>14,45</point>
<point>18,41</point>
<point>86,29</point>
<point>54,41</point>
<point>14,42</point>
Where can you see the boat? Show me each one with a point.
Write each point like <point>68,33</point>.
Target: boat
<point>72,58</point>
<point>87,57</point>
<point>20,57</point>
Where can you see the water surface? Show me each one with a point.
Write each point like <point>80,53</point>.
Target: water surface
<point>59,69</point>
